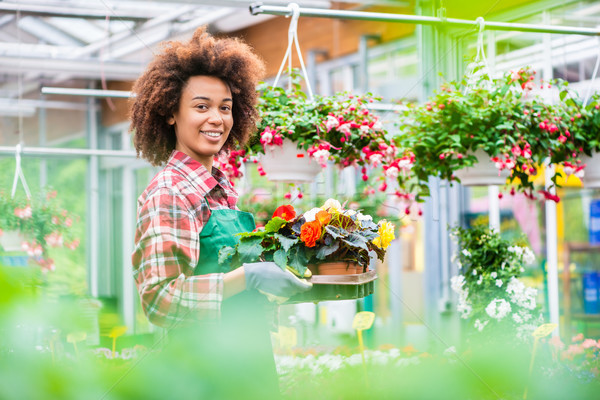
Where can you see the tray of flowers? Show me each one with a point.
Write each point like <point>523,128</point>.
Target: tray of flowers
<point>330,246</point>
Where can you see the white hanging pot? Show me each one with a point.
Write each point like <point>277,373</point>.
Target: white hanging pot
<point>591,176</point>
<point>287,163</point>
<point>482,173</point>
<point>11,241</point>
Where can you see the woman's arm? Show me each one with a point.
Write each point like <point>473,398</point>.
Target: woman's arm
<point>165,255</point>
<point>234,282</point>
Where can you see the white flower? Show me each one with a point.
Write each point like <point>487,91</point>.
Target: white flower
<point>364,129</point>
<point>332,122</point>
<point>457,282</point>
<point>480,325</point>
<point>480,280</point>
<point>463,306</point>
<point>499,282</point>
<point>321,156</point>
<point>528,256</point>
<point>392,172</point>
<point>466,252</point>
<point>363,217</point>
<point>311,214</point>
<point>332,205</point>
<point>349,212</point>
<point>498,309</point>
<point>377,126</point>
<point>494,275</point>
<point>516,249</point>
<point>345,129</point>
<point>474,272</point>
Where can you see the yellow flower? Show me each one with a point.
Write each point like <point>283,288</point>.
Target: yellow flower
<point>332,205</point>
<point>386,234</point>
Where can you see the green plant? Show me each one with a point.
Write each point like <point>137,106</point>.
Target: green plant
<point>517,130</point>
<point>329,233</point>
<point>41,222</point>
<point>488,286</point>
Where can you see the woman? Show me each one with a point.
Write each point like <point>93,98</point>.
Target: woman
<point>194,100</point>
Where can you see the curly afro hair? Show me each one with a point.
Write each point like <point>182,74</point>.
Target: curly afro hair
<point>159,90</point>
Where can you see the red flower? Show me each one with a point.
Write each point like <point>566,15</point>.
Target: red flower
<point>310,233</point>
<point>286,212</point>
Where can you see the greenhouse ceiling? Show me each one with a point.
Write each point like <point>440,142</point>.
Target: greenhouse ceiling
<point>59,40</point>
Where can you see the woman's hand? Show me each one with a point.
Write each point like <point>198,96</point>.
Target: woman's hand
<point>269,279</point>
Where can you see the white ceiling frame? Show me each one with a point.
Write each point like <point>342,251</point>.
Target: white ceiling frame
<point>88,69</point>
<point>58,9</point>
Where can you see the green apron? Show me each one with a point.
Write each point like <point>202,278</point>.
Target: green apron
<point>244,329</point>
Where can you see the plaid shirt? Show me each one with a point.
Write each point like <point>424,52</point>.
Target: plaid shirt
<point>171,214</point>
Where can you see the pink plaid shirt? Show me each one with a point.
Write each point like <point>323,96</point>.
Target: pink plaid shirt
<point>171,214</point>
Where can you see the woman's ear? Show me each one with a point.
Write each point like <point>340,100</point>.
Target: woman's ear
<point>171,120</point>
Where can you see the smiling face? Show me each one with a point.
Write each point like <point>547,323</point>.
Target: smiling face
<point>203,120</point>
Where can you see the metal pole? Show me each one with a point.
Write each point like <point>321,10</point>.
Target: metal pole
<point>87,92</point>
<point>62,152</point>
<point>257,8</point>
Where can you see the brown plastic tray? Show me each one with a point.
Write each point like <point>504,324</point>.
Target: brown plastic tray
<point>337,287</point>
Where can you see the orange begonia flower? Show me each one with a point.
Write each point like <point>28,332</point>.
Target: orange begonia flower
<point>323,217</point>
<point>310,232</point>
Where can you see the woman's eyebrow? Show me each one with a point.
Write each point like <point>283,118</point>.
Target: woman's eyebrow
<point>208,98</point>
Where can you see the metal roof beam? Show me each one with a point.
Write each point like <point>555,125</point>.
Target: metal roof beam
<point>39,10</point>
<point>88,69</point>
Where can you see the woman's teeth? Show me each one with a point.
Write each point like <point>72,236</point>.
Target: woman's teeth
<point>212,134</point>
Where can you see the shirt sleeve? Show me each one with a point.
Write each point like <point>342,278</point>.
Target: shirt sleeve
<point>167,248</point>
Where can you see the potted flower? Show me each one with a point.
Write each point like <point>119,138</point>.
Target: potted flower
<point>37,223</point>
<point>490,295</point>
<point>585,130</point>
<point>320,235</point>
<point>497,122</point>
<point>297,137</point>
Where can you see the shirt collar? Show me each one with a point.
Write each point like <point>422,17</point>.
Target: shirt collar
<point>196,173</point>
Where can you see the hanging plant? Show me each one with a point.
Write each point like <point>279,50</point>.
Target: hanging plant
<point>41,224</point>
<point>500,117</point>
<point>338,129</point>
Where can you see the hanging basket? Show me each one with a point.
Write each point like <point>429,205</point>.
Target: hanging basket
<point>482,173</point>
<point>591,178</point>
<point>287,163</point>
<point>11,241</point>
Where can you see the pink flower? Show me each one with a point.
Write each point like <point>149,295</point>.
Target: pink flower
<point>332,122</point>
<point>562,139</point>
<point>577,338</point>
<point>442,156</point>
<point>516,150</point>
<point>588,343</point>
<point>345,128</point>
<point>266,137</point>
<point>383,187</point>
<point>23,213</point>
<point>364,129</point>
<point>375,159</point>
<point>54,239</point>
<point>391,171</point>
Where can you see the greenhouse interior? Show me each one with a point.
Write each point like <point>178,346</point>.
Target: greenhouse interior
<point>442,157</point>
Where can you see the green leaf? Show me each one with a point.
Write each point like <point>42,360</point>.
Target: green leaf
<point>298,259</point>
<point>336,232</point>
<point>280,258</point>
<point>225,254</point>
<point>250,249</point>
<point>275,224</point>
<point>356,240</point>
<point>286,242</point>
<point>324,251</point>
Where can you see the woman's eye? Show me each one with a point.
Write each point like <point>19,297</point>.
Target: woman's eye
<point>202,107</point>
<point>226,108</point>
